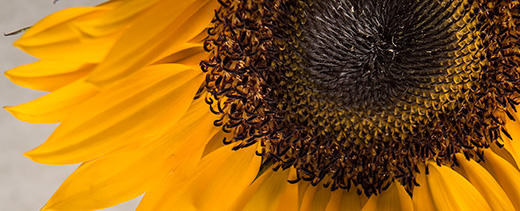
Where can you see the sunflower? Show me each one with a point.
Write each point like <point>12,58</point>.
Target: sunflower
<point>279,105</point>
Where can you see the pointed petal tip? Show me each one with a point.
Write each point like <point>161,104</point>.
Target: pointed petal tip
<point>17,43</point>
<point>9,75</point>
<point>45,158</point>
<point>26,116</point>
<point>11,110</point>
<point>29,155</point>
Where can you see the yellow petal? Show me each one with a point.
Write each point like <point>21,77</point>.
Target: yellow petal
<point>48,75</point>
<point>153,101</point>
<point>264,194</point>
<point>104,182</point>
<point>118,177</point>
<point>422,198</point>
<point>346,200</point>
<point>315,198</point>
<point>505,174</point>
<point>485,184</point>
<point>289,198</point>
<point>445,189</point>
<point>164,30</point>
<point>335,201</point>
<point>56,37</point>
<point>220,177</point>
<point>302,189</point>
<point>506,152</point>
<point>191,54</point>
<point>216,142</point>
<point>393,198</point>
<point>56,106</point>
<point>122,13</point>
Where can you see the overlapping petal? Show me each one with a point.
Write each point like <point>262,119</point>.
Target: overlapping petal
<point>482,180</point>
<point>315,198</point>
<point>56,37</point>
<point>118,18</point>
<point>264,194</point>
<point>346,200</point>
<point>143,42</point>
<point>445,189</point>
<point>55,106</point>
<point>223,171</point>
<point>104,182</point>
<point>394,198</point>
<point>48,75</point>
<point>505,174</point>
<point>129,111</point>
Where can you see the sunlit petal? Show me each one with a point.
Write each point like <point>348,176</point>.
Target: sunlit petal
<point>171,28</point>
<point>143,163</point>
<point>48,75</point>
<point>137,110</point>
<point>506,175</point>
<point>235,170</point>
<point>394,198</point>
<point>264,194</point>
<point>485,184</point>
<point>56,106</point>
<point>445,189</point>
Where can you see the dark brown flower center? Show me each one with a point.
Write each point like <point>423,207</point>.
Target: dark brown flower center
<point>358,93</point>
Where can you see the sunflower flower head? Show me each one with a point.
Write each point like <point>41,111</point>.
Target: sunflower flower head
<point>281,104</point>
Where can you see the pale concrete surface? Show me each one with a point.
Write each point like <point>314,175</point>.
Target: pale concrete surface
<point>25,185</point>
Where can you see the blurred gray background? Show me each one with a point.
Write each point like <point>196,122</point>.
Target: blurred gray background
<point>25,185</point>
